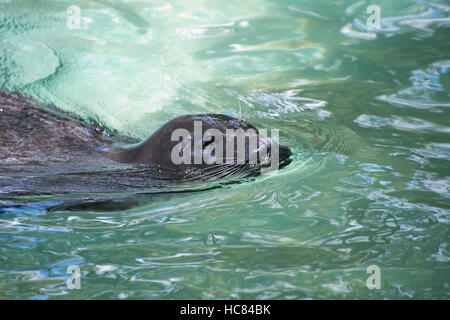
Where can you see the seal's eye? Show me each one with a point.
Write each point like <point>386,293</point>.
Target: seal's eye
<point>206,143</point>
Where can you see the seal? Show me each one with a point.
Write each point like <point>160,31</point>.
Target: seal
<point>189,147</point>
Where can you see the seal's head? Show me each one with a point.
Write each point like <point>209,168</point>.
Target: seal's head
<point>209,146</point>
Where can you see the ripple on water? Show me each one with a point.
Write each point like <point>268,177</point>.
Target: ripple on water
<point>364,111</point>
<point>427,90</point>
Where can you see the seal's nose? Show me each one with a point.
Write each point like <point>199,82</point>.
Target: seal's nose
<point>285,156</point>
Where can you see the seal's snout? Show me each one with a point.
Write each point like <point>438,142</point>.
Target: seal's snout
<point>278,152</point>
<point>285,156</point>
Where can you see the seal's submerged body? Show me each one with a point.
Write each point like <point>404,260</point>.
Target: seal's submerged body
<point>33,133</point>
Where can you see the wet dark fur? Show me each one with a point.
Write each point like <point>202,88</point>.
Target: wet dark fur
<point>28,133</point>
<point>39,134</point>
<point>46,151</point>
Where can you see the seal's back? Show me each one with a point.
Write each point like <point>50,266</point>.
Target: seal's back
<point>30,134</point>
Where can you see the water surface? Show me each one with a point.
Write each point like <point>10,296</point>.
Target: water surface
<point>365,111</point>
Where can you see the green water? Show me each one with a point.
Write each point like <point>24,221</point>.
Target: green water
<point>365,111</point>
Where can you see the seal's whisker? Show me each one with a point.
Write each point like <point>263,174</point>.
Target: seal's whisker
<point>203,173</point>
<point>209,170</point>
<point>226,173</point>
<point>215,173</point>
<point>207,173</point>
